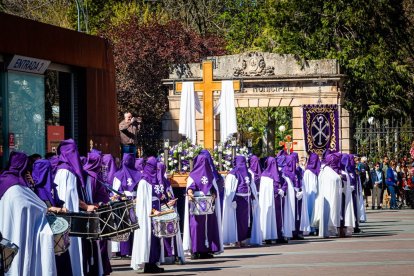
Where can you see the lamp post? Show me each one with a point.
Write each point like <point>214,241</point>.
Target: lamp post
<point>166,150</point>
<point>233,147</point>
<point>249,145</point>
<point>371,121</point>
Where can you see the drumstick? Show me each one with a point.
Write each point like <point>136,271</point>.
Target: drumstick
<point>162,213</point>
<point>110,189</point>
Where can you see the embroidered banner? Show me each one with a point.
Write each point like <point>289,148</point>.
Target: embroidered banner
<point>321,128</point>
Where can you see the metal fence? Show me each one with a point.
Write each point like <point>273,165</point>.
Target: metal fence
<point>376,138</point>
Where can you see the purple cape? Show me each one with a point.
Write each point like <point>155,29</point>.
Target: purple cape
<point>271,170</point>
<point>333,160</point>
<point>240,170</point>
<point>108,169</point>
<point>69,159</point>
<point>255,168</point>
<point>14,173</point>
<point>140,164</point>
<point>348,165</point>
<point>202,173</point>
<point>217,176</point>
<point>44,186</point>
<point>314,164</point>
<point>54,160</point>
<point>128,171</point>
<point>150,171</point>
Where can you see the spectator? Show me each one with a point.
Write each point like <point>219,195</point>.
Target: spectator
<point>377,177</point>
<point>391,181</point>
<point>384,167</point>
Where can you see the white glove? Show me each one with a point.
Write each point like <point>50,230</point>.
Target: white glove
<point>299,195</point>
<point>281,193</point>
<point>234,204</point>
<point>352,188</point>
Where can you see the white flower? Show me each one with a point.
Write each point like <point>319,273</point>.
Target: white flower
<point>175,161</point>
<point>169,158</point>
<point>180,149</point>
<point>184,168</point>
<point>171,163</point>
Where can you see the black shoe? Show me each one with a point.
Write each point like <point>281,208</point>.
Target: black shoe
<point>379,208</point>
<point>268,241</point>
<point>195,256</point>
<point>206,256</point>
<point>152,268</point>
<point>357,230</point>
<point>281,240</point>
<point>373,207</point>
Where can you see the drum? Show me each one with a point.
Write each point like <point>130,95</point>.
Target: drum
<point>82,224</point>
<point>9,250</point>
<point>202,205</point>
<point>165,225</point>
<point>117,220</point>
<point>60,229</point>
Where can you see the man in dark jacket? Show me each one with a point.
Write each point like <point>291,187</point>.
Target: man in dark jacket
<point>377,177</point>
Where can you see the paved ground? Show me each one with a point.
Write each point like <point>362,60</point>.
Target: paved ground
<point>386,247</point>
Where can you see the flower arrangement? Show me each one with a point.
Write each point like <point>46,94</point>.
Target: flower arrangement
<point>412,150</point>
<point>227,157</point>
<point>182,152</point>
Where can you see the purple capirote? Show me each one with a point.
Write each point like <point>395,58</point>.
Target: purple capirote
<point>14,172</point>
<point>69,159</point>
<point>314,164</point>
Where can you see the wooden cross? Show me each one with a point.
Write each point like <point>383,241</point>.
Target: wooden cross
<point>208,86</point>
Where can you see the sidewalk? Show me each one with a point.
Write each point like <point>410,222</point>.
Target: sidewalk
<point>385,247</point>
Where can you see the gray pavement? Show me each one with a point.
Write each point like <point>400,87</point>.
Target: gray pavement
<point>385,247</point>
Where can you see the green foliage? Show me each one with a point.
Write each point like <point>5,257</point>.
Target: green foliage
<point>253,123</point>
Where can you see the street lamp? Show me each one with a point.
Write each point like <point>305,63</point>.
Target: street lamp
<point>166,151</point>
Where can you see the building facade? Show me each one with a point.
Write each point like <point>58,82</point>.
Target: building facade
<point>55,84</point>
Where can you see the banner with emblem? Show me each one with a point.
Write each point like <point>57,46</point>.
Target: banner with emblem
<point>321,128</point>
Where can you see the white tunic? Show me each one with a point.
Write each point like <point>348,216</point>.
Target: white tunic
<point>217,211</point>
<point>328,203</point>
<point>229,213</point>
<point>23,222</point>
<point>310,183</point>
<point>267,209</point>
<point>68,192</point>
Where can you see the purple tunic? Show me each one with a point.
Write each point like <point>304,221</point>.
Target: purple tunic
<point>243,198</point>
<point>202,176</point>
<point>14,173</point>
<point>99,194</point>
<point>150,176</point>
<point>272,172</point>
<point>129,178</point>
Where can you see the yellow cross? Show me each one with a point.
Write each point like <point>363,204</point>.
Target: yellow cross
<point>208,86</point>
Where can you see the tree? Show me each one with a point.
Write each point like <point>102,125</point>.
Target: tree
<point>143,53</point>
<point>368,38</point>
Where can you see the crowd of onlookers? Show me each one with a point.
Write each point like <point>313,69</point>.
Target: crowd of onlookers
<point>390,182</point>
